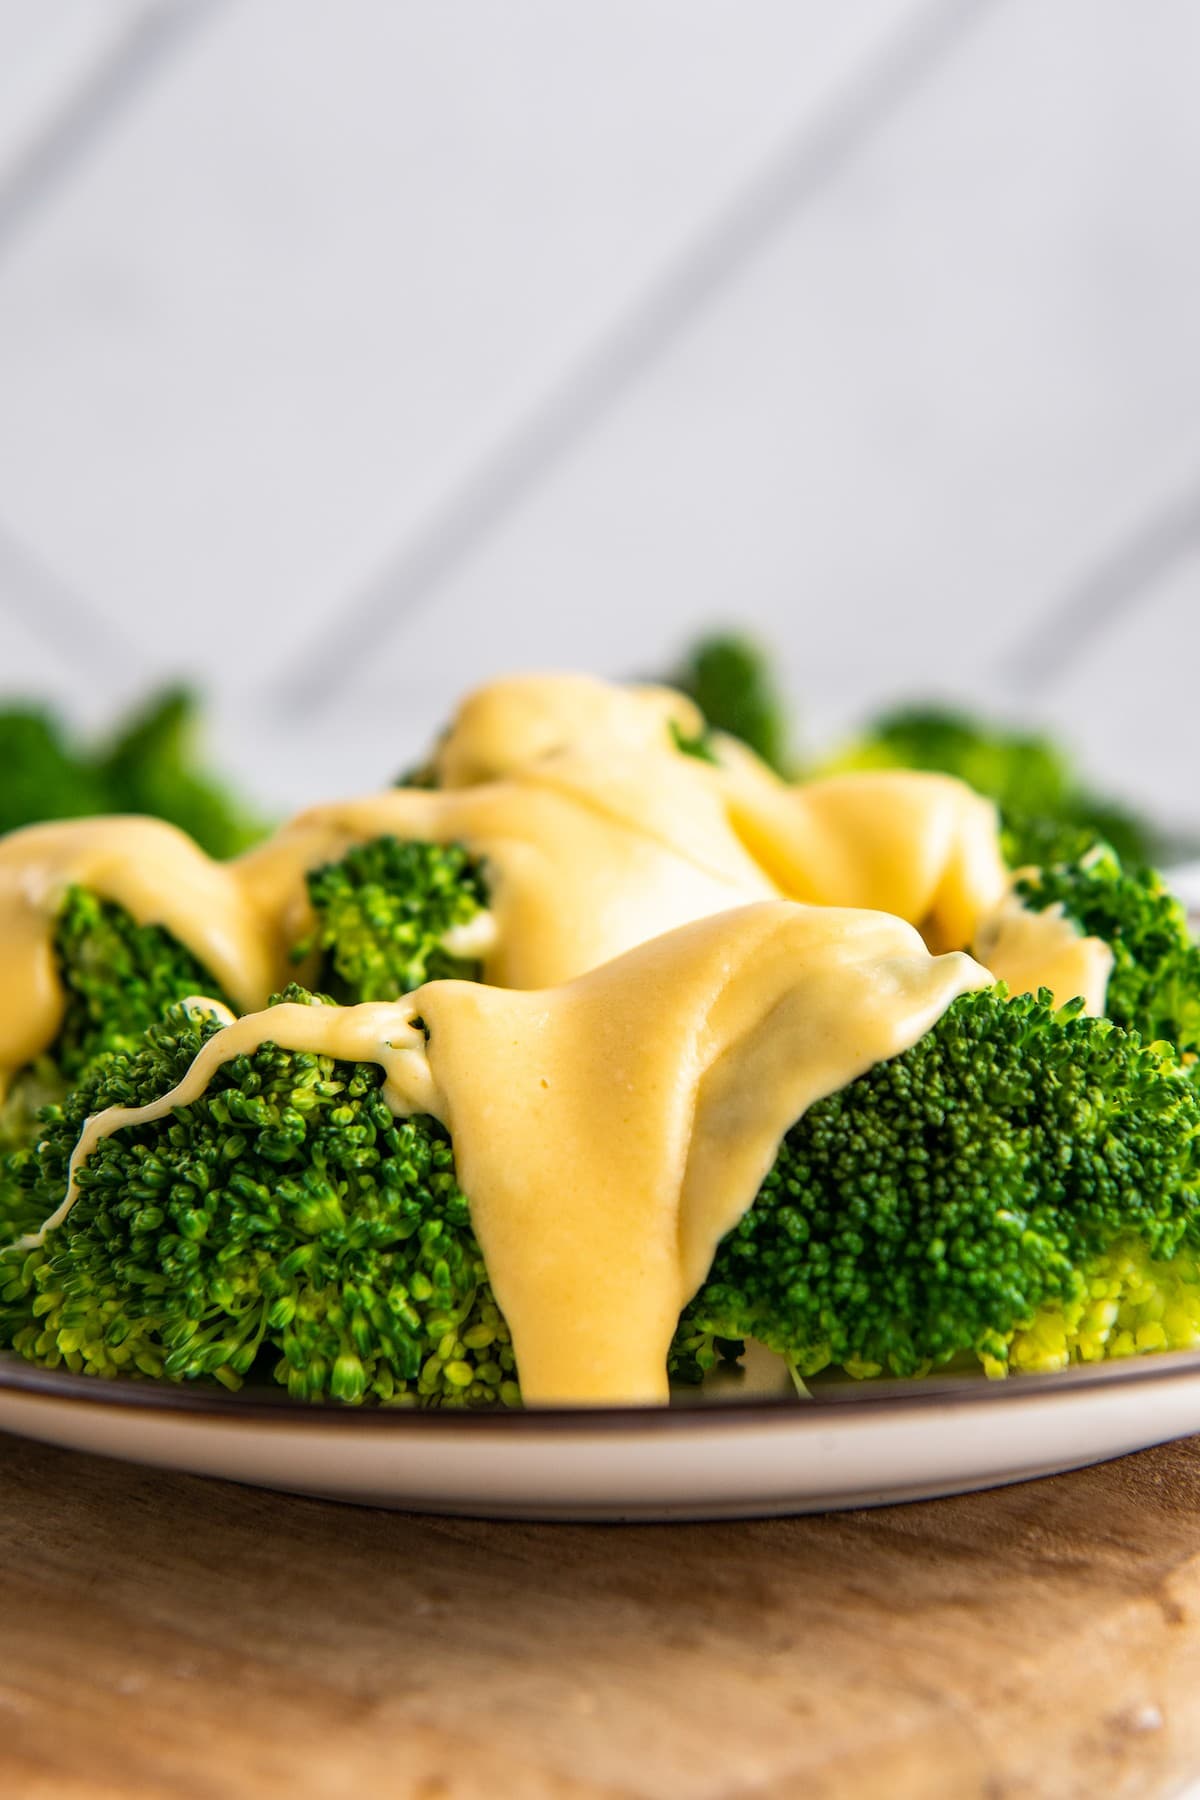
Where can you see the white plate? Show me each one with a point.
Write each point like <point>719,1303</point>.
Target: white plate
<point>852,1445</point>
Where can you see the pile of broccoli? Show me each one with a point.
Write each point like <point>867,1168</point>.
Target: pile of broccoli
<point>1020,1189</point>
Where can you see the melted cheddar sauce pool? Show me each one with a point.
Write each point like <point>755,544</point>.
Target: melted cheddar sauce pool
<point>681,957</point>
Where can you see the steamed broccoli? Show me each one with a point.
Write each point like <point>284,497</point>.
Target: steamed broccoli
<point>1020,1187</point>
<point>1154,987</point>
<point>384,913</point>
<point>1073,851</point>
<point>44,777</point>
<point>1029,777</point>
<point>150,766</point>
<point>118,977</point>
<point>36,1086</point>
<point>286,1223</point>
<point>730,680</point>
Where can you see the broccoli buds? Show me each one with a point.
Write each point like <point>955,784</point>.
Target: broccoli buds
<point>1154,988</point>
<point>286,1223</point>
<point>1020,1186</point>
<point>118,978</point>
<point>150,766</point>
<point>1030,778</point>
<point>730,680</point>
<point>386,915</point>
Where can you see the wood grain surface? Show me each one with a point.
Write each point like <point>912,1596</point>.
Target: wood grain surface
<point>164,1635</point>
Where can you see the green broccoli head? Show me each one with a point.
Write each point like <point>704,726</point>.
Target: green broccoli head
<point>1019,1187</point>
<point>37,1086</point>
<point>285,1222</point>
<point>386,914</point>
<point>118,978</point>
<point>1020,771</point>
<point>150,766</point>
<point>730,680</point>
<point>41,1084</point>
<point>1154,988</point>
<point>1031,779</point>
<point>44,778</point>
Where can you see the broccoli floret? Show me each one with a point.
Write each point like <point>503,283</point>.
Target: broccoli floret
<point>285,1223</point>
<point>700,746</point>
<point>1029,777</point>
<point>1044,842</point>
<point>422,775</point>
<point>383,915</point>
<point>1020,771</point>
<point>150,766</point>
<point>1154,988</point>
<point>39,1085</point>
<point>44,777</point>
<point>1020,1187</point>
<point>118,977</point>
<point>730,680</point>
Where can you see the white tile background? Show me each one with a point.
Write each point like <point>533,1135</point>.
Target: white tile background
<point>349,353</point>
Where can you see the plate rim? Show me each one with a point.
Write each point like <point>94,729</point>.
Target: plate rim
<point>842,1398</point>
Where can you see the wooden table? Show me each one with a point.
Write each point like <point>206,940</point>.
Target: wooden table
<point>163,1635</point>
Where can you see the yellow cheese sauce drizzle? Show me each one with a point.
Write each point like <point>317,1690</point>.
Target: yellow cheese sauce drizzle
<point>597,834</point>
<point>609,1131</point>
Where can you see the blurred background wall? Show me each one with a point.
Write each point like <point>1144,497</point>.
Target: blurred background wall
<point>351,352</point>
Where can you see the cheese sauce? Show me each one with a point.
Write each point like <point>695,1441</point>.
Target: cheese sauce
<point>611,1130</point>
<point>597,834</point>
<point>1029,950</point>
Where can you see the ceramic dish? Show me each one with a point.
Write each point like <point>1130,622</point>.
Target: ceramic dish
<point>851,1445</point>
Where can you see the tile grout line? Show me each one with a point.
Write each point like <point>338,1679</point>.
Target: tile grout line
<point>133,57</point>
<point>504,477</point>
<point>1069,626</point>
